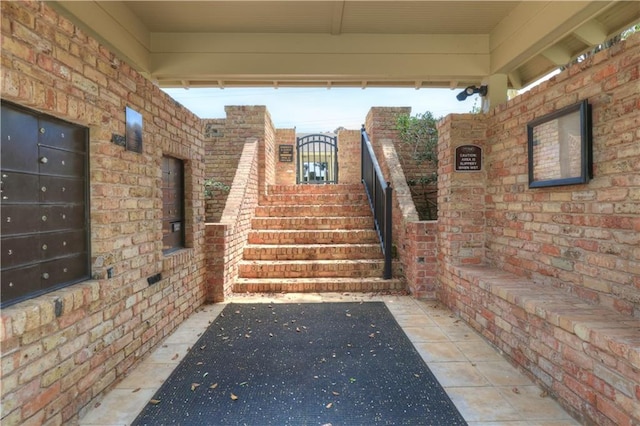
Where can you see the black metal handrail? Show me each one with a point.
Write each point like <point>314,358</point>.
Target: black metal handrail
<point>379,194</point>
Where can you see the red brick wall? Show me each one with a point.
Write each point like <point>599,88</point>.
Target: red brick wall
<point>583,238</point>
<point>349,157</point>
<point>53,366</point>
<point>226,240</point>
<point>415,240</point>
<point>221,160</point>
<point>461,195</point>
<point>566,310</point>
<point>285,171</point>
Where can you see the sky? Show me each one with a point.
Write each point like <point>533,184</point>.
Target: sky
<point>311,110</point>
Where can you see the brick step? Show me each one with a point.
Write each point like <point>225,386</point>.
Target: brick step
<point>316,285</point>
<point>327,210</point>
<point>312,199</point>
<point>362,268</point>
<point>316,189</point>
<point>318,223</point>
<point>313,252</point>
<point>351,236</point>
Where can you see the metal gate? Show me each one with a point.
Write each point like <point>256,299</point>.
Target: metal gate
<point>317,159</point>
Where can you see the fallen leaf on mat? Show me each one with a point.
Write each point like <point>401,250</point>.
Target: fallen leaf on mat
<point>199,363</point>
<point>335,393</point>
<point>348,314</point>
<point>213,386</point>
<point>175,357</point>
<point>298,329</point>
<point>135,390</point>
<point>194,386</point>
<point>329,405</point>
<point>202,347</point>
<point>416,375</point>
<point>154,401</point>
<point>372,335</point>
<point>234,397</point>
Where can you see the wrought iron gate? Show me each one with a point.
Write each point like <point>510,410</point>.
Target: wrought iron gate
<point>317,159</point>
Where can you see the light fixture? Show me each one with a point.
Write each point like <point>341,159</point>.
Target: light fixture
<point>470,90</point>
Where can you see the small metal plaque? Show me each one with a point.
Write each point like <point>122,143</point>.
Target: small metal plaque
<point>286,153</point>
<point>468,158</point>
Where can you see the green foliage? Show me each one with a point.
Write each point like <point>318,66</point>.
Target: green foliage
<point>420,132</point>
<point>211,185</point>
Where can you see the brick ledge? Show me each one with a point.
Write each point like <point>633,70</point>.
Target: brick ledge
<point>612,332</point>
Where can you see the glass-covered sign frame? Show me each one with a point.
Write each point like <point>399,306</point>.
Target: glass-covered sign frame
<point>559,146</point>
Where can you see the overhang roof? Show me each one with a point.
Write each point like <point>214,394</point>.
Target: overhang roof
<point>349,43</point>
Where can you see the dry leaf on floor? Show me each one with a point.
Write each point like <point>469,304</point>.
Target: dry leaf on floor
<point>194,386</point>
<point>135,390</point>
<point>213,386</point>
<point>175,357</point>
<point>154,401</point>
<point>335,393</point>
<point>329,405</point>
<point>234,397</point>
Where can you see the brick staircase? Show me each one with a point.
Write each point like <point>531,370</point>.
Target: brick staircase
<point>313,238</point>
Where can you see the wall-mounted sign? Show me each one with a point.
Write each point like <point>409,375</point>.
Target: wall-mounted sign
<point>468,158</point>
<point>285,153</point>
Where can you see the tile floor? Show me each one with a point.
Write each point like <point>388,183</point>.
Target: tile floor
<point>487,390</point>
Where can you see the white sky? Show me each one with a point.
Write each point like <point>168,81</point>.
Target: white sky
<point>321,109</point>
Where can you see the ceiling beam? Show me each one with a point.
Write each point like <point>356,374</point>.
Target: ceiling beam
<point>113,24</point>
<point>591,33</point>
<point>534,27</point>
<point>327,67</point>
<point>558,54</point>
<point>336,19</point>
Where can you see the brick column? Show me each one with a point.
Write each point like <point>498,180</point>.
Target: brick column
<point>285,171</point>
<point>461,195</point>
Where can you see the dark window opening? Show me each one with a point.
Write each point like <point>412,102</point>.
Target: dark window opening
<point>172,204</point>
<point>45,204</point>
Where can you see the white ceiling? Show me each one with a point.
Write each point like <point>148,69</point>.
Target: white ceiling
<point>349,43</point>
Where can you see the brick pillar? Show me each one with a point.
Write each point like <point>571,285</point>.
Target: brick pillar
<point>349,157</point>
<point>461,194</point>
<point>285,171</point>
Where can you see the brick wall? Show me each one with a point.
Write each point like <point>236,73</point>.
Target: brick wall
<point>551,275</point>
<point>226,240</point>
<point>55,362</point>
<point>583,238</point>
<point>286,171</point>
<point>415,240</point>
<point>221,159</point>
<point>268,153</point>
<point>349,170</point>
<point>461,195</point>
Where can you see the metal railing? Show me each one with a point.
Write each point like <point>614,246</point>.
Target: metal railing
<point>379,194</point>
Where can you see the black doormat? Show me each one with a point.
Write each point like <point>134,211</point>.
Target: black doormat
<point>302,364</point>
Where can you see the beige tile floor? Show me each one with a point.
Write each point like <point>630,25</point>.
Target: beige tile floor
<point>487,390</point>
